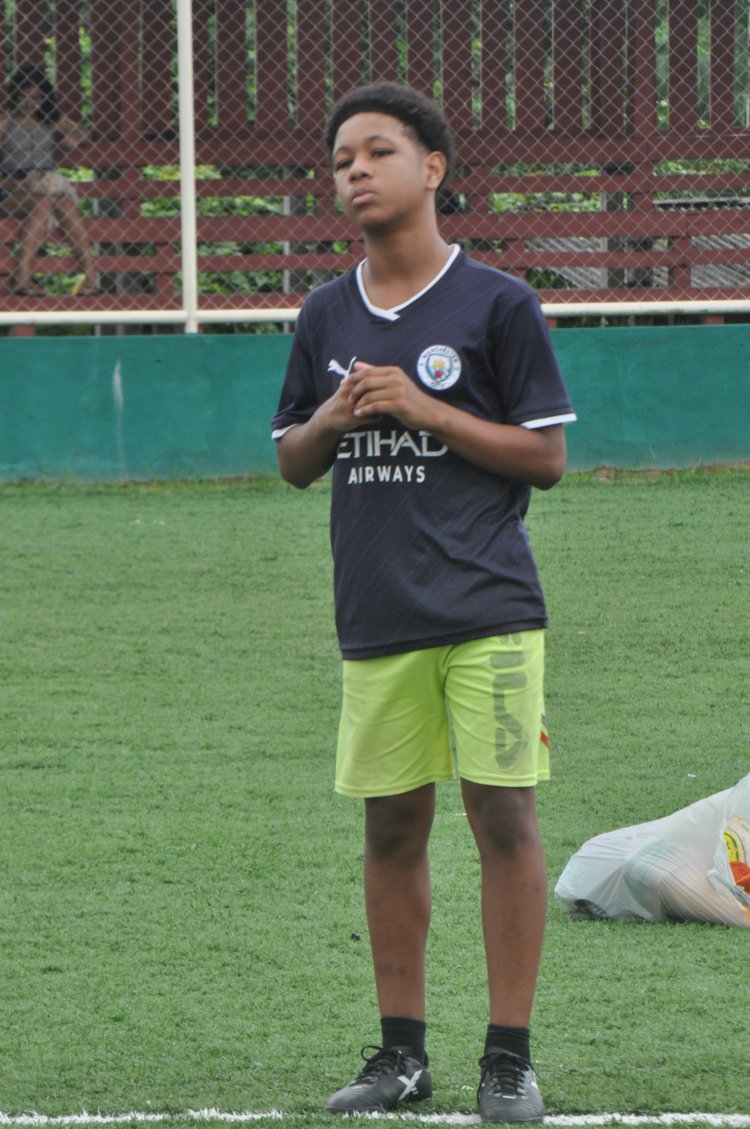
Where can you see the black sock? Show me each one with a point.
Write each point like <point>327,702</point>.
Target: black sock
<point>513,1039</point>
<point>405,1033</point>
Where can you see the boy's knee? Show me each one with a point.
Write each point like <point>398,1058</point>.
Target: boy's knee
<point>510,840</point>
<point>397,825</point>
<point>503,820</point>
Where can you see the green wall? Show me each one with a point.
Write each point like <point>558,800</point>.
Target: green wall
<point>111,408</point>
<point>673,396</point>
<point>138,407</point>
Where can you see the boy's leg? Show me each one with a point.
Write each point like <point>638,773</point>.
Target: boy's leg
<point>514,895</point>
<point>496,694</point>
<point>398,897</point>
<point>514,901</point>
<point>393,746</point>
<point>495,688</point>
<point>398,902</point>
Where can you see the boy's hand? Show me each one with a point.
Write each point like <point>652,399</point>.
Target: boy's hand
<point>339,409</point>
<point>376,390</point>
<point>307,450</point>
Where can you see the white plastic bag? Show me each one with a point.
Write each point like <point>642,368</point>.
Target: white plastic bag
<point>676,868</point>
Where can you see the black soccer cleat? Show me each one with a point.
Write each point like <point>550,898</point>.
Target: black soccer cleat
<point>389,1076</point>
<point>508,1089</point>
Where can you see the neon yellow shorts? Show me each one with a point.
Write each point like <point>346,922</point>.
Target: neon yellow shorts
<point>474,709</point>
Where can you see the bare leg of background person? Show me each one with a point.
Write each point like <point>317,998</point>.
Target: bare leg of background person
<point>74,229</point>
<point>34,227</point>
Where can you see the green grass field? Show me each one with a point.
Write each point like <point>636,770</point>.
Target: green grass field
<point>181,920</point>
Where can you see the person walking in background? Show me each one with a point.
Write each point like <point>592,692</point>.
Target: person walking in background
<point>31,135</point>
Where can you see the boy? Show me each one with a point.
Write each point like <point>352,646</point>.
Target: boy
<point>428,383</point>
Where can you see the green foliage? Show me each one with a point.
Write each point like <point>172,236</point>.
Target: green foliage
<point>240,282</point>
<point>182,889</point>
<point>545,279</point>
<point>501,202</point>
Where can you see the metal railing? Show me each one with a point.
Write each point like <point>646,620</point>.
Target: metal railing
<point>604,150</point>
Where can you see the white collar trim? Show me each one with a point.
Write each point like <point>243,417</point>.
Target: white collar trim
<point>394,313</point>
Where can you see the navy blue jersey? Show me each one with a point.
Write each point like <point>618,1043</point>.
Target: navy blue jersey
<point>428,549</point>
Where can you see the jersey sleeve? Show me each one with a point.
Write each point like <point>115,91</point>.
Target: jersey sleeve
<point>298,400</point>
<point>531,384</point>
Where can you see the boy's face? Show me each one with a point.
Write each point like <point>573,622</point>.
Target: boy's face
<point>381,172</point>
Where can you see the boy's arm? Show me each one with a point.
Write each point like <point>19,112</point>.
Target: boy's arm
<point>536,456</point>
<point>533,455</point>
<point>307,450</point>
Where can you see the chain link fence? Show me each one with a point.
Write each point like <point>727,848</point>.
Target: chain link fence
<point>604,150</point>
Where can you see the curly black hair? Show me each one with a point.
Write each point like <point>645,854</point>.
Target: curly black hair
<point>421,117</point>
<point>30,75</point>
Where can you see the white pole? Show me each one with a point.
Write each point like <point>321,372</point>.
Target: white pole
<point>188,214</point>
<point>652,308</point>
<point>144,317</point>
<point>103,317</point>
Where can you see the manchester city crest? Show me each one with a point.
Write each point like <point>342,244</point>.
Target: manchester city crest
<point>439,367</point>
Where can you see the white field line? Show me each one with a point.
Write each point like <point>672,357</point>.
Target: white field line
<point>560,1121</point>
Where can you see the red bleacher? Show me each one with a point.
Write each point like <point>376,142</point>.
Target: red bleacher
<point>643,230</point>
